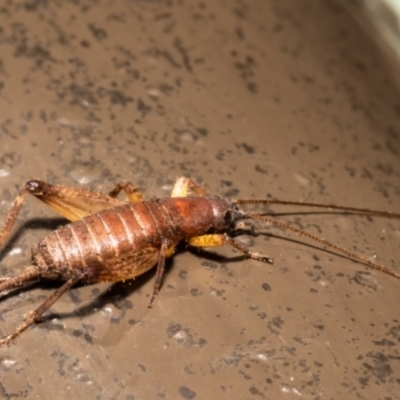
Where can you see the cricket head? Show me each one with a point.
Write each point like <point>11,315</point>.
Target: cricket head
<point>226,214</point>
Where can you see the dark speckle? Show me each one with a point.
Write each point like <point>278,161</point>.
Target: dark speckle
<point>259,169</point>
<point>380,367</point>
<point>202,342</point>
<point>240,13</point>
<point>226,183</point>
<point>34,5</point>
<point>253,87</point>
<point>249,149</point>
<point>98,33</point>
<point>202,131</point>
<point>231,193</point>
<point>173,328</point>
<point>246,69</point>
<point>360,66</point>
<point>266,287</point>
<point>142,368</point>
<point>320,327</point>
<point>143,108</point>
<point>35,51</point>
<point>239,33</point>
<point>308,79</point>
<point>209,265</point>
<point>187,393</point>
<point>385,168</point>
<point>10,159</point>
<point>366,174</point>
<point>115,96</point>
<point>184,54</point>
<point>220,155</point>
<point>166,55</point>
<point>254,390</point>
<point>318,364</point>
<point>195,292</point>
<point>384,342</point>
<point>245,376</point>
<point>392,133</point>
<point>278,322</point>
<point>363,381</point>
<point>183,274</point>
<point>85,43</point>
<point>123,304</point>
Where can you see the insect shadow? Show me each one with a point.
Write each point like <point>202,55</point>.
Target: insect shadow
<point>41,223</point>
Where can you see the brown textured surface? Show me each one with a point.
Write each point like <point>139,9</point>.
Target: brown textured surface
<point>289,99</point>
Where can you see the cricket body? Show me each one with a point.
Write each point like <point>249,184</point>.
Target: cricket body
<point>109,240</point>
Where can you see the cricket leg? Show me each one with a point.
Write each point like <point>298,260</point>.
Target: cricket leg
<point>130,189</point>
<point>166,250</point>
<point>12,216</point>
<point>223,240</point>
<point>183,186</point>
<point>28,274</point>
<point>33,316</point>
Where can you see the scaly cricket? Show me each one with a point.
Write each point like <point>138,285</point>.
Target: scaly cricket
<point>110,240</point>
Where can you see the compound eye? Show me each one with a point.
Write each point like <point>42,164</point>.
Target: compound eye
<point>229,217</point>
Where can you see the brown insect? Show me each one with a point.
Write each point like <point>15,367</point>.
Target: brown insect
<point>110,240</point>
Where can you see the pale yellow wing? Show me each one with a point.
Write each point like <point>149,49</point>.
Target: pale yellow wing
<point>72,203</point>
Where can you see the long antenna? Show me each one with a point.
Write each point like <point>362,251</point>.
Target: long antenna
<point>325,242</point>
<point>317,205</point>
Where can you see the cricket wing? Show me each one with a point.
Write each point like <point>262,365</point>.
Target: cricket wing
<point>72,203</point>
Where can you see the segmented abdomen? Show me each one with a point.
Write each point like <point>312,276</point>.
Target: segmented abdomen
<point>112,245</point>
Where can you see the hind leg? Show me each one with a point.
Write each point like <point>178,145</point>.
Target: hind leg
<point>33,316</point>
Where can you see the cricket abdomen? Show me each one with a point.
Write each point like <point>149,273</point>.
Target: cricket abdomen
<point>121,242</point>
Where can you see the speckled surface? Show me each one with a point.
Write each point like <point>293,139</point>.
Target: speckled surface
<point>285,99</point>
